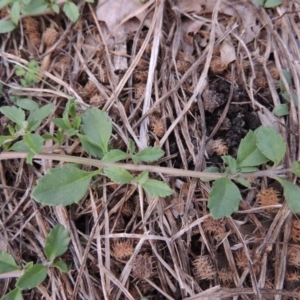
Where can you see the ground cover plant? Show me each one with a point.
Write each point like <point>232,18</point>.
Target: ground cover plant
<point>163,138</point>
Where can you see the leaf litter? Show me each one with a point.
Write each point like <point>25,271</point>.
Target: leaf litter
<point>185,78</point>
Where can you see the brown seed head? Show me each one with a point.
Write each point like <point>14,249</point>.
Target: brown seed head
<point>217,66</point>
<point>204,268</point>
<point>213,226</point>
<point>220,147</point>
<point>293,256</point>
<point>295,231</point>
<point>292,276</point>
<point>50,36</point>
<point>142,266</point>
<point>122,249</point>
<point>268,197</point>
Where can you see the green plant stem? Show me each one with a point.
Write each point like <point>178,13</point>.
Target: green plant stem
<point>132,167</point>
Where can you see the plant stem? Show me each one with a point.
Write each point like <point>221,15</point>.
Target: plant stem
<point>132,167</point>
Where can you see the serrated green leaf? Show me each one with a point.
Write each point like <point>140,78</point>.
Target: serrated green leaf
<point>27,104</point>
<point>142,178</point>
<point>34,142</point>
<point>97,126</point>
<point>15,12</point>
<point>62,186</point>
<point>150,154</point>
<point>281,110</point>
<point>248,153</point>
<point>270,144</point>
<point>209,170</point>
<point>15,294</point>
<point>231,162</point>
<point>15,114</point>
<point>114,156</point>
<point>243,182</point>
<point>135,159</point>
<point>71,11</point>
<point>118,175</point>
<point>272,3</point>
<point>296,168</point>
<point>291,193</point>
<point>224,198</point>
<point>157,188</point>
<point>6,26</point>
<point>35,7</point>
<point>7,263</point>
<point>90,147</point>
<point>32,277</point>
<point>57,242</point>
<point>60,265</point>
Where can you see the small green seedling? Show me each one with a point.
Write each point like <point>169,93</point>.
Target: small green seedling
<point>20,8</point>
<point>260,147</point>
<point>33,274</point>
<point>30,74</point>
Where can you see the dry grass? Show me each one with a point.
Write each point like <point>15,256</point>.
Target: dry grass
<point>171,249</point>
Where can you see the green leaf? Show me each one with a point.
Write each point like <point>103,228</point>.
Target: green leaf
<point>77,122</point>
<point>15,114</point>
<point>260,2</point>
<point>287,77</point>
<point>34,142</point>
<point>281,110</point>
<point>296,168</point>
<point>19,146</point>
<point>231,162</point>
<point>60,265</point>
<point>270,143</point>
<point>224,198</point>
<point>15,294</point>
<point>118,175</point>
<point>32,277</point>
<point>272,3</point>
<point>71,11</point>
<point>157,188</point>
<point>27,104</point>
<point>114,156</point>
<point>35,118</point>
<point>55,8</point>
<point>89,1</point>
<point>243,182</point>
<point>150,154</point>
<point>248,169</point>
<point>142,178</point>
<point>291,193</point>
<point>97,126</point>
<point>5,139</point>
<point>20,71</point>
<point>35,7</point>
<point>248,154</point>
<point>6,26</point>
<point>57,242</point>
<point>131,146</point>
<point>60,123</point>
<point>15,12</point>
<point>7,263</point>
<point>209,170</point>
<point>90,147</point>
<point>4,3</point>
<point>288,97</point>
<point>62,186</point>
